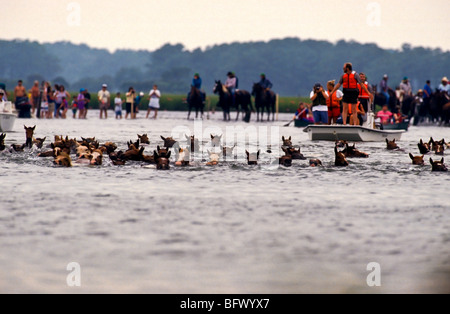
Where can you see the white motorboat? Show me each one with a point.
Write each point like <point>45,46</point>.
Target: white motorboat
<point>7,116</point>
<point>366,133</point>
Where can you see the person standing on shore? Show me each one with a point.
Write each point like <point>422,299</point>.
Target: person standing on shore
<point>349,81</point>
<point>154,95</point>
<point>129,102</point>
<point>20,92</point>
<point>35,96</point>
<point>87,99</point>
<point>104,99</point>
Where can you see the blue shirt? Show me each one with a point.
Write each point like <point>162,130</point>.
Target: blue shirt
<point>428,89</point>
<point>197,83</point>
<point>265,83</point>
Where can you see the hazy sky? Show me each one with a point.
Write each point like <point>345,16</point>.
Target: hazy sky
<point>148,24</point>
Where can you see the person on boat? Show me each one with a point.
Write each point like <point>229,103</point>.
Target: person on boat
<point>2,95</point>
<point>363,97</point>
<point>385,115</point>
<point>319,104</point>
<point>333,103</point>
<point>303,113</point>
<point>360,113</point>
<point>349,81</point>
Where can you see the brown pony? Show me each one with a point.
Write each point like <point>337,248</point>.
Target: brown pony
<point>417,160</point>
<point>2,142</point>
<point>340,160</point>
<point>252,159</point>
<point>438,165</point>
<point>29,132</point>
<point>391,145</point>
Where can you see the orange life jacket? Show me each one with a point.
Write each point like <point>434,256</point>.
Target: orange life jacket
<point>358,106</point>
<point>362,92</point>
<point>333,102</point>
<point>349,81</point>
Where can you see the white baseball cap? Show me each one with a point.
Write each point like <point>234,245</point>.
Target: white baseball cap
<point>104,85</point>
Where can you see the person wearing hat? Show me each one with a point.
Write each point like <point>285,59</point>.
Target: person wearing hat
<point>104,99</point>
<point>384,88</point>
<point>2,94</point>
<point>319,104</point>
<point>405,90</point>
<point>444,86</point>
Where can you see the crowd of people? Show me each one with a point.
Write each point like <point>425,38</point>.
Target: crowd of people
<point>330,105</point>
<point>48,102</point>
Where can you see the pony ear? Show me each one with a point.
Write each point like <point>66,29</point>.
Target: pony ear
<point>442,160</point>
<point>431,160</point>
<point>163,138</point>
<point>387,141</point>
<point>411,156</point>
<point>212,136</point>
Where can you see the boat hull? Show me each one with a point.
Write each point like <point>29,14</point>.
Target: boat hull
<point>302,123</point>
<point>350,133</point>
<point>7,122</point>
<point>397,126</point>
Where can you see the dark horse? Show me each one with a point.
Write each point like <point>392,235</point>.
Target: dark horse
<point>264,99</point>
<point>380,99</point>
<point>195,100</point>
<point>242,102</point>
<point>439,107</point>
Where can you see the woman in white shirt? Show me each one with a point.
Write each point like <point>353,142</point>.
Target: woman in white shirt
<point>154,95</point>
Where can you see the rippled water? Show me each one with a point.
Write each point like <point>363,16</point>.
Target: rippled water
<point>227,229</point>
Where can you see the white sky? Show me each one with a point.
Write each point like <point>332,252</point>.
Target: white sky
<point>148,24</point>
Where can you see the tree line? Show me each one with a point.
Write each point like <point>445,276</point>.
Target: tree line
<point>293,65</point>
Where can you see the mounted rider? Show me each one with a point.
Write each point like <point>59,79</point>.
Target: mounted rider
<point>197,83</point>
<point>231,85</point>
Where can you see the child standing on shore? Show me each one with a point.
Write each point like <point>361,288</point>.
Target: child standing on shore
<point>118,102</point>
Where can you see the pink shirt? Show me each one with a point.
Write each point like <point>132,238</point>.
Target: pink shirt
<point>384,116</point>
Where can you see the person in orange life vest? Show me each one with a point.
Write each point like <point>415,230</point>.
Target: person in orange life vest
<point>349,81</point>
<point>333,103</point>
<point>359,112</point>
<point>363,96</point>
